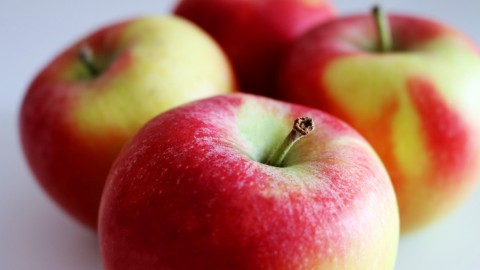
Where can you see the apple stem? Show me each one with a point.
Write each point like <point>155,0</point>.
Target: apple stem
<point>85,55</point>
<point>383,28</point>
<point>301,127</point>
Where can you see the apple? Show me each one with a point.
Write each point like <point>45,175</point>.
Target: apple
<point>255,34</point>
<point>411,88</point>
<point>83,107</point>
<point>223,189</point>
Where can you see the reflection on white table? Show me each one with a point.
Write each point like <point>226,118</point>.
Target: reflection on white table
<point>35,234</point>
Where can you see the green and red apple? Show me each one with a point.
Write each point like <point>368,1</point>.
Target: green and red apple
<point>224,189</point>
<point>413,96</point>
<point>255,34</point>
<point>82,108</point>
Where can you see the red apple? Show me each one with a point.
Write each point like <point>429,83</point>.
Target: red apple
<point>415,102</point>
<point>255,34</point>
<point>91,99</point>
<point>210,185</point>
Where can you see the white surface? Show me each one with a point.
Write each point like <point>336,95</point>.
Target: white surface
<point>35,234</point>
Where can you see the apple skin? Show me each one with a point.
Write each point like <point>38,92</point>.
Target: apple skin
<point>199,196</point>
<point>255,34</point>
<point>416,105</point>
<point>73,125</point>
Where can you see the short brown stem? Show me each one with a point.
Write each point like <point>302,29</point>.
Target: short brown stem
<point>383,29</point>
<point>85,54</point>
<point>301,127</point>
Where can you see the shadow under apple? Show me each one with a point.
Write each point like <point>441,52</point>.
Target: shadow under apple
<point>35,233</point>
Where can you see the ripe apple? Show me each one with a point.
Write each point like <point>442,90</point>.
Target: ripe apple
<point>415,101</point>
<point>255,34</point>
<point>220,190</point>
<point>81,109</point>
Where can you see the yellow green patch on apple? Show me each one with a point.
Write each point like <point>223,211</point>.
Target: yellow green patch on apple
<point>82,108</point>
<point>410,86</point>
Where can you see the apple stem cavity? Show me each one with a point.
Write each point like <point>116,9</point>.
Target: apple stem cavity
<point>383,28</point>
<point>301,127</point>
<point>86,56</point>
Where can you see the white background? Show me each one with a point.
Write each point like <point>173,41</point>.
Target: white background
<point>35,234</point>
